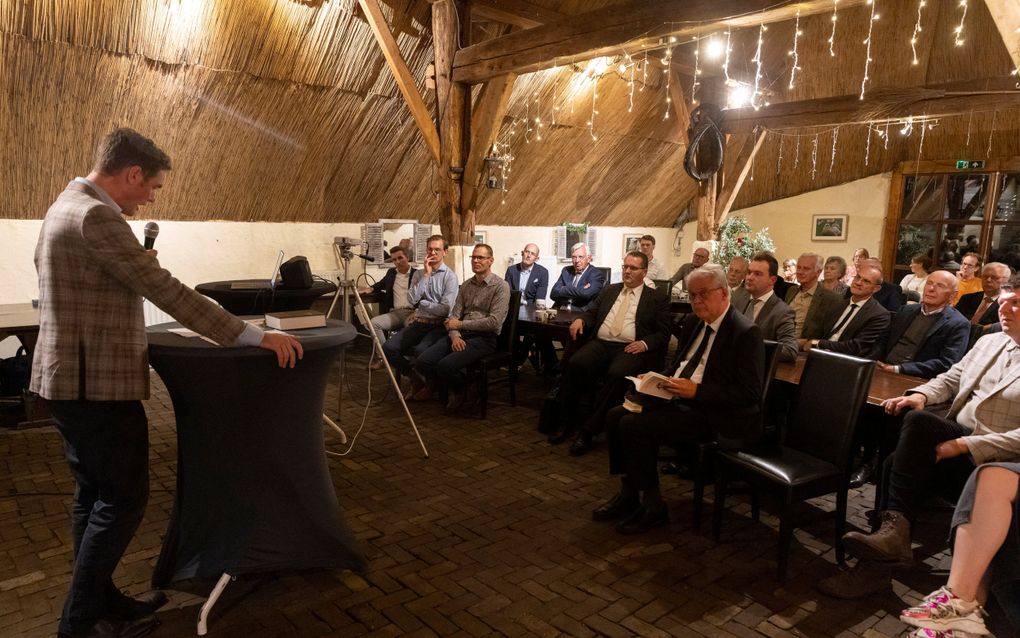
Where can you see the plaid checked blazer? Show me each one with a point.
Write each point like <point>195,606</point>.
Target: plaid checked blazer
<point>93,274</point>
<point>997,435</point>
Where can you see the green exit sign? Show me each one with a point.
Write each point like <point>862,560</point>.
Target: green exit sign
<point>969,164</point>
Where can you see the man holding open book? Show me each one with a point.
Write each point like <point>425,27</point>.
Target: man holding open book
<point>715,386</point>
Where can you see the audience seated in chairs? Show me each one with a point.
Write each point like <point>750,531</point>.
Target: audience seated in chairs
<point>935,454</point>
<point>757,301</point>
<point>735,273</point>
<point>655,268</point>
<point>924,340</point>
<point>471,329</point>
<point>811,302</point>
<point>628,324</point>
<point>391,290</point>
<point>856,326</point>
<point>432,294</point>
<point>717,383</point>
<point>982,308</point>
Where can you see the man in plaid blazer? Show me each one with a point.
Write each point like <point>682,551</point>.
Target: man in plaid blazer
<point>91,364</point>
<point>936,455</point>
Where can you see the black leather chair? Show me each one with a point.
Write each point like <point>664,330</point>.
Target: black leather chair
<point>503,356</point>
<point>662,286</point>
<point>608,272</point>
<point>816,458</point>
<point>702,464</point>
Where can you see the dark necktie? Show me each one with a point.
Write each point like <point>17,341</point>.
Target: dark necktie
<point>692,363</point>
<point>844,320</point>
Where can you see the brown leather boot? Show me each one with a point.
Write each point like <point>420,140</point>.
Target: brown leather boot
<point>890,544</point>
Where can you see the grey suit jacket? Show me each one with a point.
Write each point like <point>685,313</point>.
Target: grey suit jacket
<point>996,436</point>
<point>823,301</point>
<point>93,274</point>
<point>776,322</point>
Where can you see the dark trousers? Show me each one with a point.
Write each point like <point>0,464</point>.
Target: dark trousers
<point>107,447</point>
<point>634,439</point>
<point>440,360</point>
<point>414,338</point>
<point>910,473</point>
<point>601,359</point>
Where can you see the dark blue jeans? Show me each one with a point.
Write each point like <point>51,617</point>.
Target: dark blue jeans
<point>107,447</point>
<point>439,360</point>
<point>413,338</point>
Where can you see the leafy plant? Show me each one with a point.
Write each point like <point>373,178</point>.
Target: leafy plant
<point>736,239</point>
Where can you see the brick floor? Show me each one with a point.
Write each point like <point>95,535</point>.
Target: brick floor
<point>490,536</point>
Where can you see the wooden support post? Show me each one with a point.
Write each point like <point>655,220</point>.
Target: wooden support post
<point>706,208</point>
<point>734,178</point>
<point>453,101</point>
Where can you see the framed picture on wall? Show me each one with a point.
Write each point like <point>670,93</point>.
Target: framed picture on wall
<point>829,227</point>
<point>631,242</point>
<point>481,237</point>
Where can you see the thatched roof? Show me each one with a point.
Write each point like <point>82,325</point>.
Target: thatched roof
<point>284,110</point>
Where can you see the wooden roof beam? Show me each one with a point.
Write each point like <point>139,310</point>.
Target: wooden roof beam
<point>737,173</point>
<point>402,75</point>
<point>486,119</point>
<point>636,23</point>
<point>939,100</point>
<point>518,13</point>
<point>1006,14</point>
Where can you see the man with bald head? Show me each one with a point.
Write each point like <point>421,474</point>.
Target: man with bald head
<point>735,274</point>
<point>982,308</point>
<point>698,259</point>
<point>811,303</point>
<point>528,276</point>
<point>856,327</point>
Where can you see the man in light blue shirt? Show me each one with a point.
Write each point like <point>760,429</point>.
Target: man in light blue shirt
<point>432,293</point>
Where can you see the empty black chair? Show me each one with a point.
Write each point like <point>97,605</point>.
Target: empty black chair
<point>607,272</point>
<point>816,458</point>
<point>663,286</point>
<point>503,356</point>
<point>703,462</point>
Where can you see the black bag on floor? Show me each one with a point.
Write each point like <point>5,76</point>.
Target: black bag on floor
<point>14,373</point>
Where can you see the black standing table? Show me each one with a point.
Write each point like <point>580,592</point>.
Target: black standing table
<point>254,492</point>
<point>263,299</point>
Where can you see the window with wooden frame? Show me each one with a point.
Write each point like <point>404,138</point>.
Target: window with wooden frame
<point>943,213</point>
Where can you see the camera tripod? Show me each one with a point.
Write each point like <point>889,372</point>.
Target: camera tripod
<point>346,292</point>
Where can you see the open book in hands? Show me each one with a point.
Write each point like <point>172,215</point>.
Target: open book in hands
<point>649,384</point>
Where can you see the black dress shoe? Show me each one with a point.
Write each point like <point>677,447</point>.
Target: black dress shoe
<point>117,629</point>
<point>559,436</point>
<point>581,445</point>
<point>124,607</point>
<point>643,520</point>
<point>619,506</point>
<point>860,476</point>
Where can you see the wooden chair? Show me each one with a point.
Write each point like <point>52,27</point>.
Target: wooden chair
<point>703,463</point>
<point>506,347</point>
<point>816,457</point>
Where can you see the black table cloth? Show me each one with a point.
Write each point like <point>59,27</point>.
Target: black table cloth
<point>259,301</point>
<point>253,487</point>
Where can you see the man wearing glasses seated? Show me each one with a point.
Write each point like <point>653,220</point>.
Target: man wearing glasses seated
<point>716,383</point>
<point>857,326</point>
<point>936,455</point>
<point>630,323</point>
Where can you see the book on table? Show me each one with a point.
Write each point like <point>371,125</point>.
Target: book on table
<point>649,384</point>
<point>295,319</point>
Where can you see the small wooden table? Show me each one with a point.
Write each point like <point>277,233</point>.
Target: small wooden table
<point>884,384</point>
<point>556,329</point>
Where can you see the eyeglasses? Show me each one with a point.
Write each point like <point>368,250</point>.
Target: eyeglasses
<point>867,281</point>
<point>701,294</point>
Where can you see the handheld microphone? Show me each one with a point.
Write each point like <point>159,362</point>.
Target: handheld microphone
<point>151,230</point>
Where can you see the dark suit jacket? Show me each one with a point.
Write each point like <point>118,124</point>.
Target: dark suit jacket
<point>823,301</point>
<point>538,282</point>
<point>943,345</point>
<point>863,335</point>
<point>651,321</point>
<point>777,324</point>
<point>729,394</point>
<point>969,304</point>
<point>384,289</point>
<point>890,296</point>
<point>589,287</point>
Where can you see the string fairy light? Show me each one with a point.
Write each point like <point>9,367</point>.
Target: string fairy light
<point>917,29</point>
<point>527,121</point>
<point>779,163</point>
<point>835,138</point>
<point>885,138</point>
<point>594,112</point>
<point>920,146</point>
<point>867,55</point>
<point>991,134</point>
<point>669,76</point>
<point>970,120</point>
<point>756,95</point>
<point>538,118</point>
<point>814,157</point>
<point>832,36</point>
<point>630,85</point>
<point>867,147</point>
<point>796,154</point>
<point>695,82</point>
<point>793,53</point>
<point>555,102</point>
<point>644,73</point>
<point>726,62</point>
<point>958,31</point>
